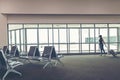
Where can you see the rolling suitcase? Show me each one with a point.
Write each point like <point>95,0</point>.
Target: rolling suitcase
<point>112,52</point>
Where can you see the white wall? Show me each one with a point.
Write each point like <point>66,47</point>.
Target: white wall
<point>3,30</point>
<point>56,11</point>
<point>62,19</point>
<point>60,6</point>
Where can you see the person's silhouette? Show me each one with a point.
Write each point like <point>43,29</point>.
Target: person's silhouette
<point>101,44</point>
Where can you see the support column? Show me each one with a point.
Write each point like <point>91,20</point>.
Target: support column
<point>3,30</point>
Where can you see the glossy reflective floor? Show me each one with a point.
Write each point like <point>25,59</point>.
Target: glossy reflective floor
<point>76,67</point>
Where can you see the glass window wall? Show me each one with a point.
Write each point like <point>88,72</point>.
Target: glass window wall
<point>67,38</point>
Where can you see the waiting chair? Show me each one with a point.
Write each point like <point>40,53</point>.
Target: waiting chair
<point>14,52</point>
<point>33,54</point>
<point>5,50</point>
<point>49,54</point>
<point>8,66</point>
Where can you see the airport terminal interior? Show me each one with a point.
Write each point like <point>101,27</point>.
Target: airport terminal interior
<point>59,39</point>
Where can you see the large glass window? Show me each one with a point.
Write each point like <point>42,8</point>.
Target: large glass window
<point>74,40</point>
<point>63,36</point>
<point>85,40</point>
<point>97,33</point>
<point>67,38</point>
<point>113,38</point>
<point>43,35</point>
<point>56,36</point>
<point>50,36</point>
<point>92,40</point>
<point>104,33</point>
<point>18,37</point>
<point>63,40</point>
<point>31,36</point>
<point>13,37</point>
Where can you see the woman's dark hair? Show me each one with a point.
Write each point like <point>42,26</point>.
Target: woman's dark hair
<point>100,35</point>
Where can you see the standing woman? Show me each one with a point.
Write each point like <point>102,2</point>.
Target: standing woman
<point>101,44</point>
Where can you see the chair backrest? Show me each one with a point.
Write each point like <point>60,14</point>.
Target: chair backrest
<point>53,55</point>
<point>3,60</point>
<point>33,51</point>
<point>5,50</point>
<point>37,53</point>
<point>14,51</point>
<point>49,52</point>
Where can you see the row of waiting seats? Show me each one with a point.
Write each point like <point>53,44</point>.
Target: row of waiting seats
<point>7,66</point>
<point>48,55</point>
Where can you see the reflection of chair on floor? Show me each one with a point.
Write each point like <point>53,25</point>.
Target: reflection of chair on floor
<point>5,50</point>
<point>49,54</point>
<point>7,67</point>
<point>33,54</point>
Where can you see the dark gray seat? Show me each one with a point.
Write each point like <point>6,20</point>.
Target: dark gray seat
<point>49,54</point>
<point>5,50</point>
<point>33,54</point>
<point>14,51</point>
<point>7,66</point>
